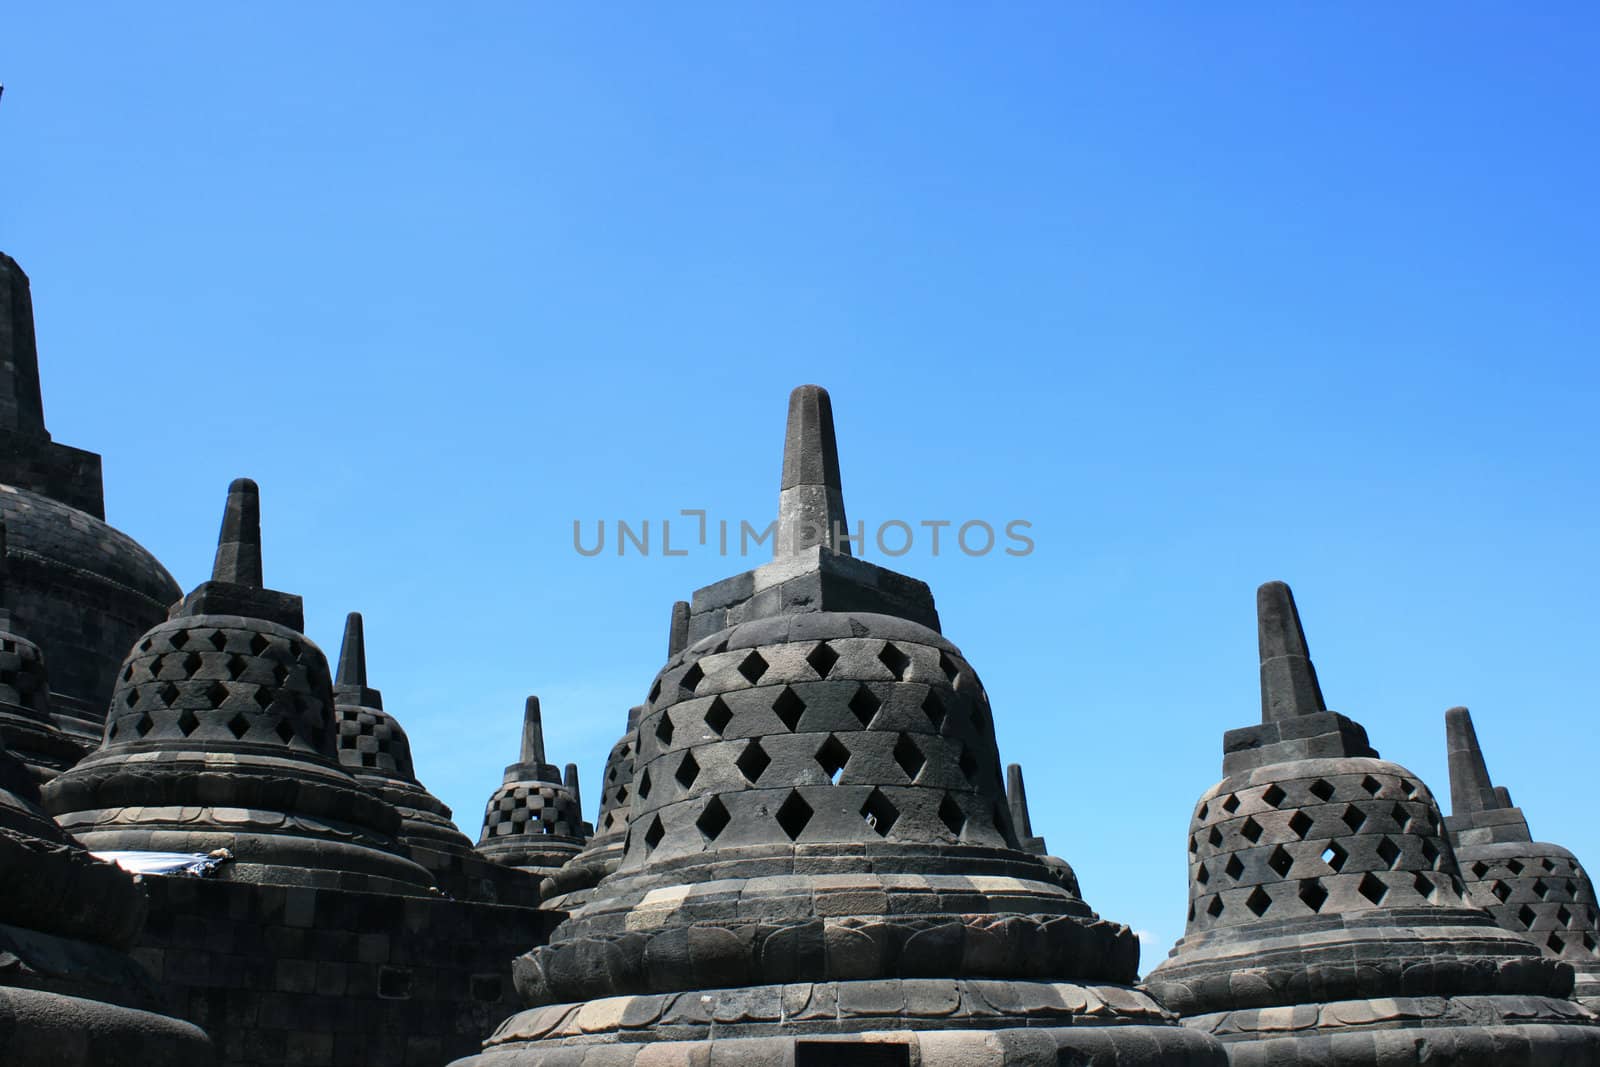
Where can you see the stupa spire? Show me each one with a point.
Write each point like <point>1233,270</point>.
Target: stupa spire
<point>678,633</point>
<point>1471,789</point>
<point>239,544</point>
<point>352,653</point>
<point>532,733</point>
<point>21,403</point>
<point>811,498</point>
<point>1289,686</point>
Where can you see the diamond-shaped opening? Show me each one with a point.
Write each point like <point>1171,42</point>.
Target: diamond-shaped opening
<point>1541,889</point>
<point>1408,787</point>
<point>1372,888</point>
<point>1479,869</point>
<point>1280,861</point>
<point>1589,942</point>
<point>177,639</point>
<point>1215,837</point>
<point>1312,895</point>
<point>1423,885</point>
<point>789,707</point>
<point>168,693</point>
<point>1526,915</point>
<point>1322,790</point>
<point>280,673</point>
<point>1273,796</point>
<point>653,836</point>
<point>1334,856</point>
<point>1258,902</point>
<point>794,815</point>
<point>664,729</point>
<point>1430,852</point>
<point>718,716</point>
<point>145,646</point>
<point>1205,809</point>
<point>263,697</point>
<point>1389,853</point>
<point>239,725</point>
<point>296,649</point>
<point>215,694</point>
<point>1554,943</point>
<point>909,756</point>
<point>1500,890</point>
<point>1514,866</point>
<point>645,785</point>
<point>832,756</point>
<point>1563,916</point>
<point>949,667</point>
<point>1251,830</point>
<point>692,677</point>
<point>753,761</point>
<point>933,708</point>
<point>1353,818</point>
<point>880,814</point>
<point>1401,817</point>
<point>753,667</point>
<point>1231,804</point>
<point>1371,785</point>
<point>1300,823</point>
<point>131,697</point>
<point>144,724</point>
<point>950,813</point>
<point>968,763</point>
<point>655,691</point>
<point>1194,846</point>
<point>236,666</point>
<point>156,665</point>
<point>897,662</point>
<point>822,658</point>
<point>688,770</point>
<point>714,819</point>
<point>219,640</point>
<point>258,644</point>
<point>1235,867</point>
<point>1547,865</point>
<point>285,731</point>
<point>1215,907</point>
<point>865,704</point>
<point>192,663</point>
<point>1202,875</point>
<point>188,722</point>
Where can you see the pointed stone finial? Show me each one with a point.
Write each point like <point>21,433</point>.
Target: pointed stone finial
<point>678,635</point>
<point>21,404</point>
<point>532,733</point>
<point>571,781</point>
<point>1471,789</point>
<point>1289,686</point>
<point>352,653</point>
<point>239,544</point>
<point>811,498</point>
<point>1017,798</point>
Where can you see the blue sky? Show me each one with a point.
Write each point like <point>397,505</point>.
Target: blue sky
<point>1210,296</point>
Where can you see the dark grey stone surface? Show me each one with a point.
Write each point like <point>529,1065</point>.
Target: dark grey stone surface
<point>819,847</point>
<point>1328,921</point>
<point>1532,888</point>
<point>533,822</point>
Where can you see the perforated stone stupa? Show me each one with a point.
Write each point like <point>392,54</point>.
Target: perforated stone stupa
<point>84,590</point>
<point>221,733</point>
<point>1536,889</point>
<point>70,995</point>
<point>820,865</point>
<point>1328,923</point>
<point>533,822</point>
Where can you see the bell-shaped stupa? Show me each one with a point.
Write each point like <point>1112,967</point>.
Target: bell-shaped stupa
<point>26,726</point>
<point>534,821</point>
<point>222,734</point>
<point>373,747</point>
<point>820,865</point>
<point>70,995</point>
<point>1328,923</point>
<point>1536,889</point>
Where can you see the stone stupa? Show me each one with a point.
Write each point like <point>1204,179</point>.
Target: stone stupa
<point>26,725</point>
<point>222,734</point>
<point>820,865</point>
<point>70,994</point>
<point>1327,921</point>
<point>1538,890</point>
<point>534,821</point>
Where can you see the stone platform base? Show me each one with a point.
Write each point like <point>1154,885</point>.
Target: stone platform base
<point>1496,1031</point>
<point>39,1029</point>
<point>892,1022</point>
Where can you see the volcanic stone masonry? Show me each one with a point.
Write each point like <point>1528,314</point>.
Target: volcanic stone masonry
<point>1328,923</point>
<point>533,821</point>
<point>1535,889</point>
<point>820,865</point>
